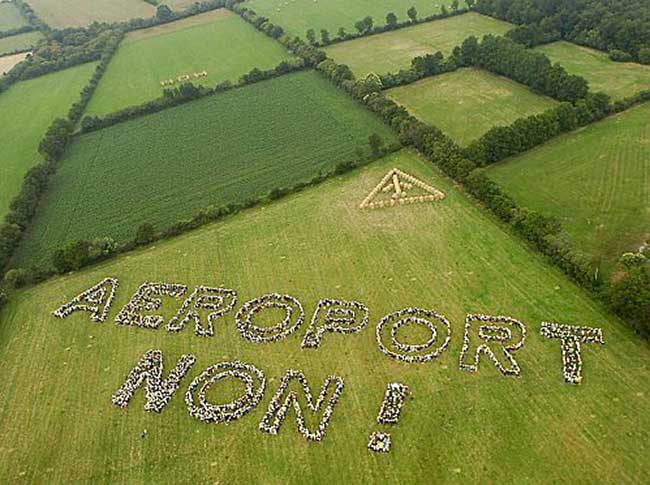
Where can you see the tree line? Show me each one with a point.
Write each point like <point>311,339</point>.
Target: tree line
<point>621,27</point>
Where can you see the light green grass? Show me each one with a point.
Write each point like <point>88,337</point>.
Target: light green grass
<point>26,111</point>
<point>225,148</point>
<point>596,181</point>
<point>393,51</point>
<point>618,79</point>
<point>218,42</point>
<point>57,422</point>
<point>10,17</point>
<point>19,42</point>
<point>80,13</point>
<point>297,16</point>
<point>468,102</point>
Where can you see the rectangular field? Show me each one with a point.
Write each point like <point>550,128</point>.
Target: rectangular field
<point>57,422</point>
<point>26,111</point>
<point>218,42</point>
<point>468,102</point>
<point>8,62</point>
<point>225,148</point>
<point>19,42</point>
<point>392,51</point>
<point>596,181</point>
<point>10,17</point>
<point>60,14</point>
<point>618,79</point>
<point>297,16</point>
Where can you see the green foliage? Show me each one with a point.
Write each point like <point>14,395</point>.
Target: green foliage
<point>630,298</point>
<point>145,234</point>
<point>75,255</point>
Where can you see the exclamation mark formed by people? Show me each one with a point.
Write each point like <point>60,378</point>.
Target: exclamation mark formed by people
<point>389,414</point>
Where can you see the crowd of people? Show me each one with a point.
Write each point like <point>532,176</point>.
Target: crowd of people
<point>414,353</point>
<point>147,299</point>
<point>158,390</point>
<point>218,301</point>
<point>492,329</point>
<point>391,406</point>
<point>294,318</point>
<point>335,316</point>
<point>96,300</point>
<point>571,337</point>
<point>198,405</point>
<point>283,400</point>
<point>379,442</point>
<point>399,182</point>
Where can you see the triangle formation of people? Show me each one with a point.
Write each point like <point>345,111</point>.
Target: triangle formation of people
<point>399,188</point>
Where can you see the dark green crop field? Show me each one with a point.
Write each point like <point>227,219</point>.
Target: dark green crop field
<point>222,149</point>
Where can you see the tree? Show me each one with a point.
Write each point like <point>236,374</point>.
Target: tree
<point>145,234</point>
<point>311,36</point>
<point>391,21</point>
<point>164,13</point>
<point>364,25</point>
<point>644,55</point>
<point>376,145</point>
<point>325,36</point>
<point>630,297</point>
<point>15,278</point>
<point>470,3</point>
<point>454,5</point>
<point>342,34</point>
<point>443,10</point>
<point>412,14</point>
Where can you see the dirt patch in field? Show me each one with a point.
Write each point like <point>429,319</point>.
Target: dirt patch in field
<point>7,62</point>
<point>187,23</point>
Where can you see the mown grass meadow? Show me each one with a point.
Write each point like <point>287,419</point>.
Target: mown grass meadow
<point>468,102</point>
<point>618,79</point>
<point>297,16</point>
<point>80,13</point>
<point>19,42</point>
<point>26,111</point>
<point>596,181</point>
<point>392,51</point>
<point>222,149</point>
<point>10,17</point>
<point>59,375</point>
<point>218,42</point>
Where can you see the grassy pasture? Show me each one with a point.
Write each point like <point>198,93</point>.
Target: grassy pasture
<point>60,14</point>
<point>596,181</point>
<point>219,42</point>
<point>179,4</point>
<point>297,16</point>
<point>19,42</point>
<point>393,51</point>
<point>10,17</point>
<point>468,102</point>
<point>26,111</point>
<point>59,375</point>
<point>618,79</point>
<point>226,148</point>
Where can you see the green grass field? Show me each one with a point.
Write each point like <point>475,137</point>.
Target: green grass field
<point>19,42</point>
<point>218,42</point>
<point>60,14</point>
<point>57,422</point>
<point>297,16</point>
<point>468,102</point>
<point>618,79</point>
<point>596,181</point>
<point>10,17</point>
<point>393,51</point>
<point>26,111</point>
<point>225,148</point>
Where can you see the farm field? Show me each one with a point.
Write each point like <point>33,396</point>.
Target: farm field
<point>447,256</point>
<point>10,17</point>
<point>618,79</point>
<point>392,51</point>
<point>26,111</point>
<point>60,14</point>
<point>19,42</point>
<point>595,181</point>
<point>297,16</point>
<point>468,102</point>
<point>218,42</point>
<point>8,62</point>
<point>222,149</point>
<point>179,4</point>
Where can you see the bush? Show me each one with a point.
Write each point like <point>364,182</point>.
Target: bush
<point>144,234</point>
<point>15,278</point>
<point>78,254</point>
<point>644,55</point>
<point>619,56</point>
<point>630,298</point>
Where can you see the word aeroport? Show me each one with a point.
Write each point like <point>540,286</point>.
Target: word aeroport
<point>496,337</point>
